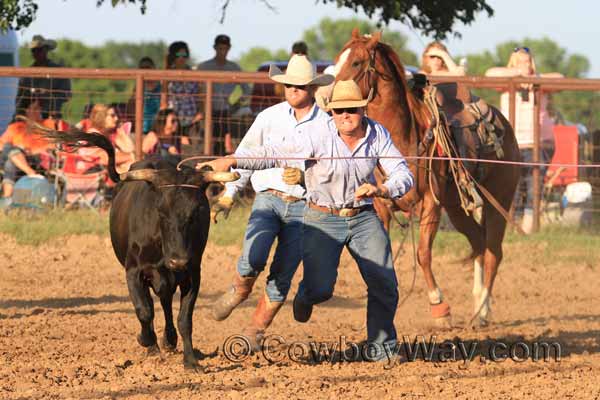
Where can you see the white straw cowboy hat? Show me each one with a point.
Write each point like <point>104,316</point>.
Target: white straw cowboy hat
<point>299,72</point>
<point>40,41</point>
<point>346,94</point>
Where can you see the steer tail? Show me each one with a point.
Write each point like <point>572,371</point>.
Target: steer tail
<point>75,139</point>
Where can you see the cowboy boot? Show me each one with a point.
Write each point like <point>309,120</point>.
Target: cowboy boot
<point>240,290</point>
<point>263,316</point>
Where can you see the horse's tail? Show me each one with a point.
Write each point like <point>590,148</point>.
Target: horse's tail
<point>75,139</point>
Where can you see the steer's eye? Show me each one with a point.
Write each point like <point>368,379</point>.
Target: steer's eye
<point>356,64</point>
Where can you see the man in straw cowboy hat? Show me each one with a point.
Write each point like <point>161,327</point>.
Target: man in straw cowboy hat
<point>341,156</point>
<point>279,206</point>
<point>52,92</point>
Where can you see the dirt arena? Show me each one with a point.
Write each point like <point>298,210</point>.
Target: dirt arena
<point>67,330</point>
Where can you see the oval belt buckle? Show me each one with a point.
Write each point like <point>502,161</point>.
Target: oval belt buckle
<point>345,212</point>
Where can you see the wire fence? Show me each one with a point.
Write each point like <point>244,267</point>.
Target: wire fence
<point>215,113</point>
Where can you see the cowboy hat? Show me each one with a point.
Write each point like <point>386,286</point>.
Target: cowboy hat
<point>346,94</point>
<point>39,41</point>
<point>299,72</point>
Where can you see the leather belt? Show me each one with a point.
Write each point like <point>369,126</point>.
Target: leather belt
<point>283,196</point>
<point>342,212</point>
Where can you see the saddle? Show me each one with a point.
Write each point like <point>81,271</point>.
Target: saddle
<point>466,130</point>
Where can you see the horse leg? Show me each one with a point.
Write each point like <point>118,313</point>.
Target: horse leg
<point>495,227</point>
<point>475,234</point>
<point>429,224</point>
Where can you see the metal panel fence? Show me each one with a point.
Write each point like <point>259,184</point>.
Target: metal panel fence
<point>578,99</point>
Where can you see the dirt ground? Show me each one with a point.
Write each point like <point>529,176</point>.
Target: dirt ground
<point>67,330</point>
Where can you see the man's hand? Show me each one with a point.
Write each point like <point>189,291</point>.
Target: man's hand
<point>368,190</point>
<point>219,165</point>
<point>223,205</point>
<point>293,176</point>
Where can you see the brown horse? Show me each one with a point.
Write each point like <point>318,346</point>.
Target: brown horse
<point>378,71</point>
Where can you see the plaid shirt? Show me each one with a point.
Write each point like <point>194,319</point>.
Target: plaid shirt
<point>183,97</point>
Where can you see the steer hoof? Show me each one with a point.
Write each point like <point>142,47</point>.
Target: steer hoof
<point>147,341</point>
<point>191,364</point>
<point>169,341</point>
<point>153,350</point>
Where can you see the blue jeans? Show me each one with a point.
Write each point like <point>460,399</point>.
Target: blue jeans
<point>325,236</point>
<point>272,218</point>
<point>11,172</point>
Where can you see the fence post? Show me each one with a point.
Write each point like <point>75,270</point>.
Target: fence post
<point>139,115</point>
<point>512,103</point>
<point>537,98</point>
<point>208,119</point>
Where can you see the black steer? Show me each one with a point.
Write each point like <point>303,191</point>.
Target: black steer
<point>159,224</point>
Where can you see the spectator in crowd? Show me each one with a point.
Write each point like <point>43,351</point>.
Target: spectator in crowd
<point>104,120</point>
<point>52,92</point>
<point>162,140</point>
<point>152,92</point>
<point>437,61</point>
<point>300,48</point>
<point>522,63</point>
<point>221,92</point>
<point>22,150</point>
<point>183,97</point>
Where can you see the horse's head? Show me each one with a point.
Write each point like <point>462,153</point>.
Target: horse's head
<point>378,71</point>
<point>357,60</point>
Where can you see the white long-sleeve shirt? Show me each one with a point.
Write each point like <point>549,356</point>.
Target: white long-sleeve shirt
<point>274,126</point>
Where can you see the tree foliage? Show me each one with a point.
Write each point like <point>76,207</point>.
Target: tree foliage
<point>436,18</point>
<point>251,59</point>
<point>549,56</point>
<point>327,39</point>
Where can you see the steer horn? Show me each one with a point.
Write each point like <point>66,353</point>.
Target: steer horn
<point>213,176</point>
<point>145,174</point>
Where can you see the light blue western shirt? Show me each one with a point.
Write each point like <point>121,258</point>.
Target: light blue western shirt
<point>333,182</point>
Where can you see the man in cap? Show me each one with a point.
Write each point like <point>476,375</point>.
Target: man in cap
<point>342,155</point>
<point>278,208</point>
<point>221,92</point>
<point>52,92</point>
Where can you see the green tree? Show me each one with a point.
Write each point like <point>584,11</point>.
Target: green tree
<point>251,59</point>
<point>549,56</point>
<point>436,18</point>
<point>327,39</point>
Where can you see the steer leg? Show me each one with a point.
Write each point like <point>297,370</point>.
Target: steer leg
<point>144,308</point>
<point>169,340</point>
<point>189,292</point>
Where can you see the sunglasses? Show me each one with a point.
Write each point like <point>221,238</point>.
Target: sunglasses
<point>349,110</point>
<point>182,55</point>
<point>525,49</point>
<point>299,87</point>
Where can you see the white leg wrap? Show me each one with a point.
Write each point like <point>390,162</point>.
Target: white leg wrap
<point>477,284</point>
<point>435,296</point>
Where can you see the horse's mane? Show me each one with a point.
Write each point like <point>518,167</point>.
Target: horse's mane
<point>418,110</point>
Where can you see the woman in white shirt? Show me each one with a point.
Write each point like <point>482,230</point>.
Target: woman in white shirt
<point>522,63</point>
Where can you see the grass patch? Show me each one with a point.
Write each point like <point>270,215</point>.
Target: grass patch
<point>554,245</point>
<point>34,228</point>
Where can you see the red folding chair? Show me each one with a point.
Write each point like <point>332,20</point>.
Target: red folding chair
<point>78,186</point>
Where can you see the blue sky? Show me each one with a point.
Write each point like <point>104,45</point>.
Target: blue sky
<point>574,24</point>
